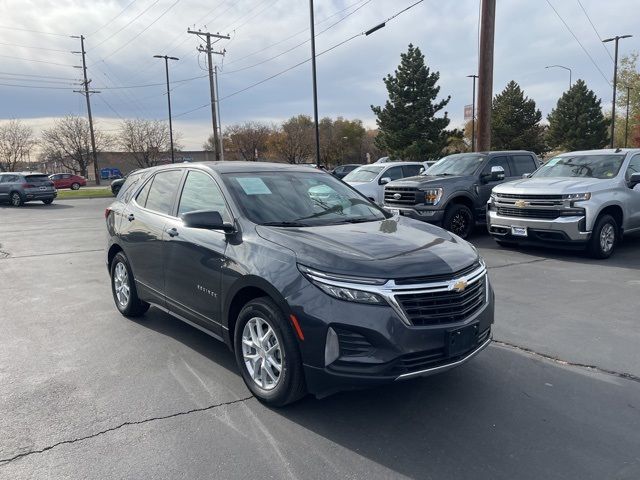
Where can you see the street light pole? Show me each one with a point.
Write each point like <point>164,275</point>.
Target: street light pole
<point>473,114</point>
<point>615,82</point>
<point>626,121</point>
<point>562,66</point>
<point>315,83</point>
<point>166,67</point>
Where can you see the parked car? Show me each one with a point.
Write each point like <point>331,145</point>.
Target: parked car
<point>313,287</point>
<point>371,179</point>
<point>587,200</point>
<point>20,187</point>
<point>341,170</point>
<point>68,180</point>
<point>454,192</point>
<point>117,184</point>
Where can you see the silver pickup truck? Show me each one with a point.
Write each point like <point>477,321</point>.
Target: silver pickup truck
<point>583,200</point>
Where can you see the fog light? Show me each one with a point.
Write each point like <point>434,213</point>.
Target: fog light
<point>331,348</point>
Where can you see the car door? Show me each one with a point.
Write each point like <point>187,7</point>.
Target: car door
<point>485,184</point>
<point>142,231</point>
<point>194,257</point>
<point>633,204</point>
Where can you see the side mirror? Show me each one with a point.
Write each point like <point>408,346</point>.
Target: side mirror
<point>526,175</point>
<point>206,220</point>
<point>634,180</point>
<point>385,180</point>
<point>497,173</point>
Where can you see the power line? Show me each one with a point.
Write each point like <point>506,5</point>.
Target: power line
<point>37,61</point>
<point>126,87</point>
<point>34,31</point>
<point>579,42</point>
<point>110,21</point>
<point>110,107</point>
<point>127,24</point>
<point>36,76</point>
<point>595,30</point>
<point>34,47</point>
<point>42,87</point>
<point>36,80</point>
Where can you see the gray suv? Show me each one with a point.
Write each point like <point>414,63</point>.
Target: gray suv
<point>583,199</point>
<point>17,188</point>
<point>454,192</point>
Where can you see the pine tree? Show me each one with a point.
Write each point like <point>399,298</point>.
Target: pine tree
<point>408,126</point>
<point>515,121</point>
<point>577,122</point>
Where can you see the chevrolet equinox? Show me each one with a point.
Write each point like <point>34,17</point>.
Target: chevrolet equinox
<point>314,288</point>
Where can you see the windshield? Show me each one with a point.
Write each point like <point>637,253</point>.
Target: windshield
<point>588,166</point>
<point>299,199</point>
<point>363,174</point>
<point>460,164</point>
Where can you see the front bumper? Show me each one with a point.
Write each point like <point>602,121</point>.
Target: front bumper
<point>559,230</point>
<point>425,215</point>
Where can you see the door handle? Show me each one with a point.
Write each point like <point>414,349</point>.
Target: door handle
<point>131,217</point>
<point>173,232</point>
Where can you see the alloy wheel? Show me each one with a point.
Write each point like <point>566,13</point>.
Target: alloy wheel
<point>460,224</point>
<point>121,285</point>
<point>261,353</point>
<point>16,200</point>
<point>607,238</point>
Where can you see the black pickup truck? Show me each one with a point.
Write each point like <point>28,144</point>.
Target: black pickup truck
<point>454,192</point>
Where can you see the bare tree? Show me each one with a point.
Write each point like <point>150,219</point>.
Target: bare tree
<point>146,140</point>
<point>68,142</point>
<point>294,141</point>
<point>249,139</point>
<point>16,143</point>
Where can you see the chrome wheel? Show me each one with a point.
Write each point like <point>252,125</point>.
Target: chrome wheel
<point>16,201</point>
<point>607,238</point>
<point>121,285</point>
<point>75,186</point>
<point>261,352</point>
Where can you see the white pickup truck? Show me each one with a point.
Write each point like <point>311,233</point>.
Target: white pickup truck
<point>585,200</point>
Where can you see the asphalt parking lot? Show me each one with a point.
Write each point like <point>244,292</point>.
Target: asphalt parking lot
<point>86,393</point>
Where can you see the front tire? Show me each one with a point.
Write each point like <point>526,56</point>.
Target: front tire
<point>48,201</point>
<point>267,354</point>
<point>604,238</point>
<point>123,288</point>
<point>75,186</point>
<point>16,199</point>
<point>458,219</point>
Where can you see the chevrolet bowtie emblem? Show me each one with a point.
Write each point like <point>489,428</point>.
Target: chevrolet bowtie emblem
<point>460,286</point>
<point>521,203</point>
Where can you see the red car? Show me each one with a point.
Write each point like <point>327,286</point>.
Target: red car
<point>67,180</point>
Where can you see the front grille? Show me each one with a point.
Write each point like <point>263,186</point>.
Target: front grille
<point>542,213</point>
<point>408,196</point>
<point>528,196</point>
<point>434,308</point>
<point>352,343</point>
<point>438,278</point>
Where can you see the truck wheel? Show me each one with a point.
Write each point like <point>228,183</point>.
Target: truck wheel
<point>458,219</point>
<point>267,354</point>
<point>604,237</point>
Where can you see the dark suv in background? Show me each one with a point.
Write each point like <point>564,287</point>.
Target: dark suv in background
<point>314,288</point>
<point>454,192</point>
<point>17,188</point>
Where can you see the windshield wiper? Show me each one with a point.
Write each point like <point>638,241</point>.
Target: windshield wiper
<point>358,220</point>
<point>284,224</point>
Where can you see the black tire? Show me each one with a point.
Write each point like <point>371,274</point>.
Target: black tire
<point>16,199</point>
<point>75,186</point>
<point>290,385</point>
<point>48,201</point>
<point>458,219</point>
<point>134,307</point>
<point>504,244</point>
<point>599,246</point>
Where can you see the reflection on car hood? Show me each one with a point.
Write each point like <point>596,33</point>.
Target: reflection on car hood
<point>392,248</point>
<point>551,185</point>
<point>426,181</point>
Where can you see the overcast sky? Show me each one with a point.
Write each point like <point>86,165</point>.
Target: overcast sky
<point>123,35</point>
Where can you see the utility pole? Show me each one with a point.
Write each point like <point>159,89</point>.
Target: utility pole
<point>615,82</point>
<point>215,74</point>
<point>485,71</point>
<point>166,67</point>
<point>86,92</point>
<point>315,82</point>
<point>206,36</point>
<point>473,114</point>
<point>626,121</point>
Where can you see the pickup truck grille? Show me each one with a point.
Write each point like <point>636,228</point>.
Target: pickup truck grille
<point>528,197</point>
<point>541,213</point>
<point>407,196</point>
<point>434,308</point>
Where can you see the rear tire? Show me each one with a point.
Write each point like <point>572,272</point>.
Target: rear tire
<point>604,238</point>
<point>75,186</point>
<point>259,361</point>
<point>123,288</point>
<point>48,201</point>
<point>458,219</point>
<point>16,199</point>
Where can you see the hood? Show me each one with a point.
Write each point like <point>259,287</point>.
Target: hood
<point>392,248</point>
<point>421,181</point>
<point>551,185</point>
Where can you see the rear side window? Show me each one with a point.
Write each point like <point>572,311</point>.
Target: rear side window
<point>522,164</point>
<point>497,162</point>
<point>634,167</point>
<point>163,190</point>
<point>129,185</point>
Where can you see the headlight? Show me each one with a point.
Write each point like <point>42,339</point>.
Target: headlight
<point>433,195</point>
<point>331,285</point>
<point>577,197</point>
